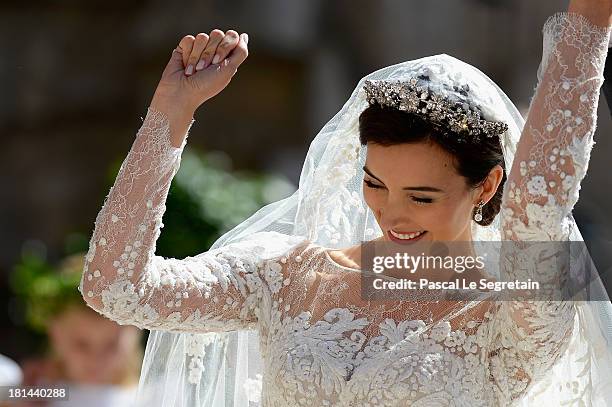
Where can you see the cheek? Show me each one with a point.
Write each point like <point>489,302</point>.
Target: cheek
<point>451,213</point>
<point>455,215</point>
<point>423,215</point>
<point>445,219</point>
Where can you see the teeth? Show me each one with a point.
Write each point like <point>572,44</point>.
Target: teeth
<point>407,236</point>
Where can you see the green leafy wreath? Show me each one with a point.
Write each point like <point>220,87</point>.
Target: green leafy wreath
<point>45,291</point>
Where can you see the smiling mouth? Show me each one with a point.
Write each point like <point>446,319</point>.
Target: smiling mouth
<point>406,237</point>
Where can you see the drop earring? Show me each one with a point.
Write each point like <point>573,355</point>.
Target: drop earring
<point>478,212</point>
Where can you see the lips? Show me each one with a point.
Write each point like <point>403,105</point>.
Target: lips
<point>406,236</point>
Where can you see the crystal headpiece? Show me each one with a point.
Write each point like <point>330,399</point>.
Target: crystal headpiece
<point>449,116</point>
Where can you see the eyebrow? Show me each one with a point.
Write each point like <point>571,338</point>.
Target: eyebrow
<point>418,188</point>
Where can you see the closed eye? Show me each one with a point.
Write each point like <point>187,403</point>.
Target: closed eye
<point>370,184</point>
<point>421,200</point>
<point>416,199</point>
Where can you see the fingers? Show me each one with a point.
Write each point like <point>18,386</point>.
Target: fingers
<point>239,53</point>
<point>203,50</point>
<point>194,61</point>
<point>227,45</point>
<point>216,36</point>
<point>185,46</point>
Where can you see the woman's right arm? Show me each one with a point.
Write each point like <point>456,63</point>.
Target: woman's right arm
<point>123,279</point>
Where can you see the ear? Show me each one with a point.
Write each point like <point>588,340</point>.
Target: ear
<point>490,185</point>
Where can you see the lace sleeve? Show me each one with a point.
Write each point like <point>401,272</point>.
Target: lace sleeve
<point>555,146</point>
<point>551,160</point>
<point>218,290</point>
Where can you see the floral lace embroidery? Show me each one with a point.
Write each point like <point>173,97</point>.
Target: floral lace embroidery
<point>330,348</point>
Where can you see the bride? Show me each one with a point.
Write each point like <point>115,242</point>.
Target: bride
<point>423,151</point>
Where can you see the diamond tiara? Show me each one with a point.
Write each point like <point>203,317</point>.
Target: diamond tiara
<point>448,116</point>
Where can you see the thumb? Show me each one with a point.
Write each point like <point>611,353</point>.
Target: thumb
<point>176,61</point>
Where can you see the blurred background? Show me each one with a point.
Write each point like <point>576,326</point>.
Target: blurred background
<point>77,77</point>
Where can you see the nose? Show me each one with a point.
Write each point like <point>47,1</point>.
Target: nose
<point>395,214</point>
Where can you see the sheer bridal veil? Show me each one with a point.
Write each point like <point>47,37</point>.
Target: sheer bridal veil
<point>224,369</point>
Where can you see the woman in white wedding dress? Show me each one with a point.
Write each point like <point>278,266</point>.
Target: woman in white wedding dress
<point>292,274</point>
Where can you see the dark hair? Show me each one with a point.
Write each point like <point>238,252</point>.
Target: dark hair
<point>388,126</point>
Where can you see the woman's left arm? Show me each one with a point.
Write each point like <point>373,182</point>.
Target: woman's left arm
<point>554,150</point>
<point>551,160</point>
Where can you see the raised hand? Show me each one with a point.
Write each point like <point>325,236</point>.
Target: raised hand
<point>200,67</point>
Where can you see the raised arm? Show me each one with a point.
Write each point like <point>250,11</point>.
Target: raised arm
<point>528,337</point>
<point>122,277</point>
<point>555,146</point>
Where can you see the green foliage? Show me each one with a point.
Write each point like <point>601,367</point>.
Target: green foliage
<point>208,197</point>
<point>43,290</point>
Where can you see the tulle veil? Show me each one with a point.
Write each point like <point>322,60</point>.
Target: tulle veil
<point>224,369</point>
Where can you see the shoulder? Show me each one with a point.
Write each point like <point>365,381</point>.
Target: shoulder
<point>348,256</point>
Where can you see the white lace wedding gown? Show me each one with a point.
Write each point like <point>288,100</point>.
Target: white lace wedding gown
<point>321,343</point>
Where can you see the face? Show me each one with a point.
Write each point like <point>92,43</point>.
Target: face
<point>91,347</point>
<point>415,188</point>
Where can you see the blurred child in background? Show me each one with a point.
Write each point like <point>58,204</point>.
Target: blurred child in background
<point>97,359</point>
